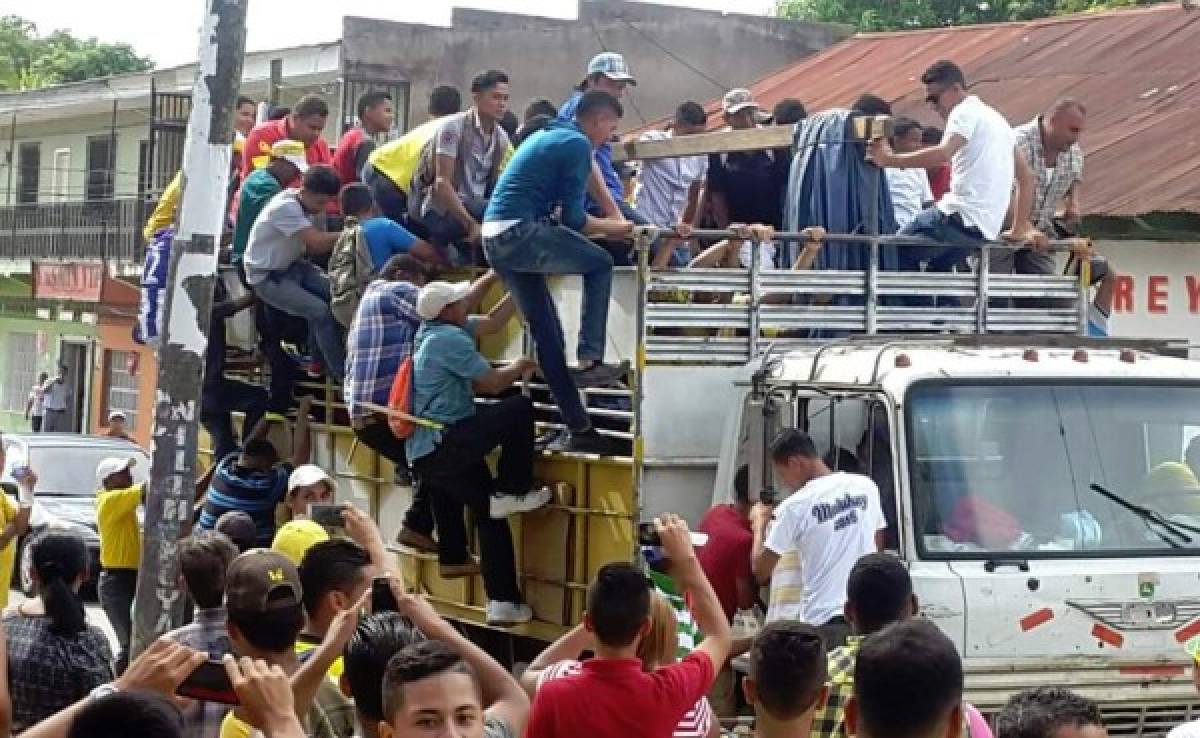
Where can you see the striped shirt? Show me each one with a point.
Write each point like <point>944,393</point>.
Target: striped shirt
<point>255,493</point>
<point>695,723</point>
<point>686,629</point>
<point>1053,183</point>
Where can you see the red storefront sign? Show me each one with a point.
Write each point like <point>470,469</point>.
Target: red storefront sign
<point>59,281</point>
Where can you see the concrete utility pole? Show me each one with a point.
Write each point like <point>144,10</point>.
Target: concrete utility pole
<point>187,305</point>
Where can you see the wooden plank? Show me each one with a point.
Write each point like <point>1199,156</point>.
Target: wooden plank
<point>767,137</point>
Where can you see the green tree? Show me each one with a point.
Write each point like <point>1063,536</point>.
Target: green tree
<point>29,61</point>
<point>891,15</point>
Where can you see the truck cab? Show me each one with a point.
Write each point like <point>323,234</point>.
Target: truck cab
<point>1037,490</point>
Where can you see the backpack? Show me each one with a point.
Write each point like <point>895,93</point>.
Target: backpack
<point>400,401</point>
<point>350,271</point>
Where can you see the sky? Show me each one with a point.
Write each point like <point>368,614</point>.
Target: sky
<point>167,30</point>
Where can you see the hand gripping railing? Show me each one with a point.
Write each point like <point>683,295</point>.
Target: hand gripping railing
<point>722,315</point>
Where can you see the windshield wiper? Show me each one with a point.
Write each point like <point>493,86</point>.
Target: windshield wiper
<point>1150,516</point>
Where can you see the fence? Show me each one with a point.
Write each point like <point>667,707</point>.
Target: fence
<point>94,230</point>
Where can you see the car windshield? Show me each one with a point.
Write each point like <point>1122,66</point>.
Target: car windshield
<point>71,470</point>
<point>1011,468</point>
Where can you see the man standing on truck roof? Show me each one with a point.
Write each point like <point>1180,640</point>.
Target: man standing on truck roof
<point>979,144</point>
<point>525,240</point>
<point>815,536</point>
<point>389,169</point>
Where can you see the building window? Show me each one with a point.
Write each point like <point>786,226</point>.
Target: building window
<point>29,170</point>
<point>99,168</point>
<point>121,387</point>
<point>22,370</point>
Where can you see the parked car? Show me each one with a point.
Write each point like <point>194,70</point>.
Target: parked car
<point>65,464</point>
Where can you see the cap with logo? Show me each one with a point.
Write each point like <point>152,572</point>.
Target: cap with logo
<point>295,538</point>
<point>292,151</point>
<point>262,580</point>
<point>435,296</point>
<point>111,466</point>
<point>611,65</point>
<point>737,100</point>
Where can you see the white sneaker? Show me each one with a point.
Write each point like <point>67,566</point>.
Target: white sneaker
<point>504,614</point>
<point>504,505</point>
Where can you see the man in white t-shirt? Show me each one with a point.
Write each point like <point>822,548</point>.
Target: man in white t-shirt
<point>814,537</point>
<point>979,144</point>
<point>909,187</point>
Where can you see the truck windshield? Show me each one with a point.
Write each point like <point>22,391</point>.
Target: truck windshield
<point>1008,468</point>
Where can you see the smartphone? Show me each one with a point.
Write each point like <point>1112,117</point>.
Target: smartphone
<point>648,536</point>
<point>382,598</point>
<point>329,516</point>
<point>210,683</point>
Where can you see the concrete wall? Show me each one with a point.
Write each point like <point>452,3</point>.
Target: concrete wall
<point>664,46</point>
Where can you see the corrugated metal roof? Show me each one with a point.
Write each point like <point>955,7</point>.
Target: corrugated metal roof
<point>1137,71</point>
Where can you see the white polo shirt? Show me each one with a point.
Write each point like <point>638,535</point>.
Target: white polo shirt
<point>982,171</point>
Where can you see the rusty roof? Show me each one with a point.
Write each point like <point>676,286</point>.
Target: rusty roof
<point>1136,70</point>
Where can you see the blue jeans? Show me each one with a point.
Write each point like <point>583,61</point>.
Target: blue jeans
<point>957,242</point>
<point>303,290</point>
<point>524,255</point>
<point>446,232</point>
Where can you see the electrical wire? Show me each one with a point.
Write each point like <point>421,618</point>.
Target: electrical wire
<point>722,87</point>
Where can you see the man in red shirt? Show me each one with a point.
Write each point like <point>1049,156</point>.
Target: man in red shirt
<point>726,560</point>
<point>726,557</point>
<point>612,697</point>
<point>303,124</point>
<point>375,116</point>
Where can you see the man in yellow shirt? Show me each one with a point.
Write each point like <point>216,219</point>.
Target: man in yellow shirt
<point>390,168</point>
<point>117,502</point>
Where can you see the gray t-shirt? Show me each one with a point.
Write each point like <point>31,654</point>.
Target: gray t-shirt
<point>274,245</point>
<point>477,161</point>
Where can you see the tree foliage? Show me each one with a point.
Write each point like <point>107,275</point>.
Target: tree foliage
<point>29,61</point>
<point>891,15</point>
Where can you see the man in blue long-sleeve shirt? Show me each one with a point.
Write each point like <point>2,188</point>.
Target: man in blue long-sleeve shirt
<point>524,242</point>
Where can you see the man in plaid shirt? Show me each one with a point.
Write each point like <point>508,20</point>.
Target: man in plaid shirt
<point>879,592</point>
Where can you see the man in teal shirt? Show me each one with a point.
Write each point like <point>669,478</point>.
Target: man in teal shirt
<point>450,461</point>
<point>287,163</point>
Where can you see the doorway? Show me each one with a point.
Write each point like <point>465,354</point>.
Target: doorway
<point>73,354</point>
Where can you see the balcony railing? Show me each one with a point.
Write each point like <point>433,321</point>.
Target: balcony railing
<point>108,230</point>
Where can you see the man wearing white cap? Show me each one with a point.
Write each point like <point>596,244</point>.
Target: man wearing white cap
<point>606,195</point>
<point>447,370</point>
<point>116,426</point>
<point>747,187</point>
<point>117,500</point>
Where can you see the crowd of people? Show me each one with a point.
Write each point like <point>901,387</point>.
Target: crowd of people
<point>338,254</point>
<point>314,634</point>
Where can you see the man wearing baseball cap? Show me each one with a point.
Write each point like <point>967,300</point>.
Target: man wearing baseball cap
<point>451,458</point>
<point>747,187</point>
<point>606,195</point>
<point>287,162</point>
<point>264,602</point>
<point>117,500</point>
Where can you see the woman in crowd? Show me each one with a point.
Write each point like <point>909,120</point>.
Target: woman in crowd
<point>54,656</point>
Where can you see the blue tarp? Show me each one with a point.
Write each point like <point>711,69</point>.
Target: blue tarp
<point>830,185</point>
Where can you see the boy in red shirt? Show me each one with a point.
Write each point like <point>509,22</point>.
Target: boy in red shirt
<point>612,697</point>
<point>726,556</point>
<point>375,116</point>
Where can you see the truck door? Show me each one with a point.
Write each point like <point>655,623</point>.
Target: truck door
<point>1004,480</point>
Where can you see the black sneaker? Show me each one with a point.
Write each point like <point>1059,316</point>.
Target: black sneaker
<point>600,375</point>
<point>585,442</point>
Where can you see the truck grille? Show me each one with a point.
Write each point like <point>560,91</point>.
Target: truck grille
<point>1147,720</point>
